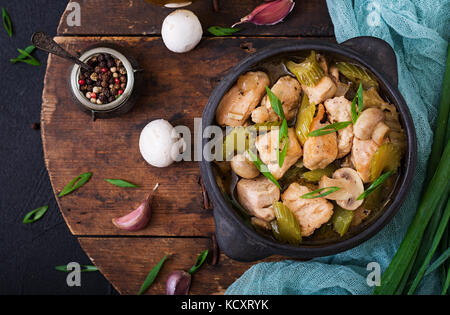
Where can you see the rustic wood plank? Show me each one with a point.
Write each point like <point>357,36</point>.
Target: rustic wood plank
<point>176,88</point>
<point>125,262</point>
<point>137,17</point>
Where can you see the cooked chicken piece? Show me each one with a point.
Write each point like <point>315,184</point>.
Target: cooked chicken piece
<point>257,196</point>
<point>362,153</point>
<point>288,90</point>
<point>267,145</point>
<point>339,110</point>
<point>366,123</point>
<point>237,104</point>
<point>351,188</point>
<point>323,90</point>
<point>260,114</point>
<point>310,213</point>
<point>320,151</point>
<point>261,223</point>
<point>243,167</point>
<point>380,132</point>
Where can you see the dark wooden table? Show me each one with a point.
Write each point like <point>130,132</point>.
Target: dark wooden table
<point>176,87</point>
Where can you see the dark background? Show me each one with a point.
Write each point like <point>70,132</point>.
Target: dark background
<point>30,252</point>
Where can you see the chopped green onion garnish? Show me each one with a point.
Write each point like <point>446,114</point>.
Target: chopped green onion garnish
<point>7,22</point>
<point>76,183</point>
<point>359,97</point>
<point>376,184</point>
<point>313,194</point>
<point>222,31</point>
<point>84,268</point>
<point>35,215</point>
<point>121,183</point>
<point>151,276</point>
<point>199,262</point>
<point>278,109</point>
<point>262,168</point>
<point>329,129</point>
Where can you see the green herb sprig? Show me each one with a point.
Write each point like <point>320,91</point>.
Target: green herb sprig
<point>283,134</point>
<point>151,276</point>
<point>7,24</point>
<point>199,262</point>
<point>318,192</point>
<point>121,183</point>
<point>358,97</point>
<point>76,183</point>
<point>262,168</point>
<point>84,268</point>
<point>35,215</point>
<point>329,129</point>
<point>222,31</point>
<point>375,185</point>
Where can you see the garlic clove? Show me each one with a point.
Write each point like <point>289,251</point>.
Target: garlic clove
<point>268,13</point>
<point>137,219</point>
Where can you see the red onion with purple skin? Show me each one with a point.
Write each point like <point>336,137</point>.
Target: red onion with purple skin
<point>178,283</point>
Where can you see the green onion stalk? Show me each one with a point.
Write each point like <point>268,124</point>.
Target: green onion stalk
<point>440,138</point>
<point>439,186</point>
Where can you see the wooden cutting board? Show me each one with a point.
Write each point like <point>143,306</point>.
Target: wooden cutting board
<point>176,88</point>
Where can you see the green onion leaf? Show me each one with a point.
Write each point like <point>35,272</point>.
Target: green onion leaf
<point>29,50</point>
<point>35,215</point>
<point>7,22</point>
<point>282,135</point>
<point>438,262</point>
<point>84,268</point>
<point>199,262</point>
<point>446,283</point>
<point>313,194</point>
<point>222,31</point>
<point>121,183</point>
<point>375,185</point>
<point>151,276</point>
<point>275,103</point>
<point>329,129</point>
<point>278,109</point>
<point>262,168</point>
<point>76,183</point>
<point>25,57</point>
<point>359,97</point>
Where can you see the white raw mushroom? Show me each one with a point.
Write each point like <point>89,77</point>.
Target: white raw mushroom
<point>181,31</point>
<point>160,144</point>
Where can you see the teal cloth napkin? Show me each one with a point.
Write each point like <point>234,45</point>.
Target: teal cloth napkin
<point>418,30</point>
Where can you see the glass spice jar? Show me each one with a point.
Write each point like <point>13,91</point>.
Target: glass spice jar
<point>121,104</point>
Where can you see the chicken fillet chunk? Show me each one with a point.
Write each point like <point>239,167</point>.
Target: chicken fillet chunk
<point>310,213</point>
<point>239,102</point>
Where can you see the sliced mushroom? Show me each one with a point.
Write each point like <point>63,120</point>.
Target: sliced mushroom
<point>367,122</point>
<point>351,188</point>
<point>243,167</point>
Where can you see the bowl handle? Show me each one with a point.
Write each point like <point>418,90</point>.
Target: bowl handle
<point>235,243</point>
<point>378,52</point>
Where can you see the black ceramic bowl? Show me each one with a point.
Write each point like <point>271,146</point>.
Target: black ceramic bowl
<point>243,243</point>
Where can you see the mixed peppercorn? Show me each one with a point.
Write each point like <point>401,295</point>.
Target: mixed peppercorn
<point>107,82</point>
